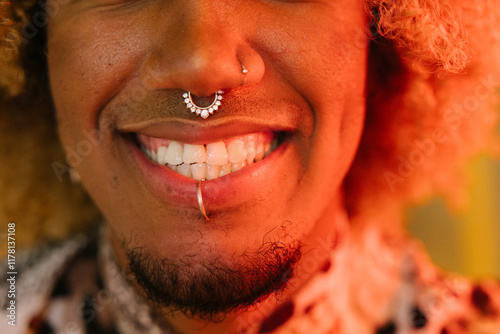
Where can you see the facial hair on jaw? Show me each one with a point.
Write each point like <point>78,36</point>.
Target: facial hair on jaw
<point>216,287</point>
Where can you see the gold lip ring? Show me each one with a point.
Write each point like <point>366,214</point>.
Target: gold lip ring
<point>200,199</point>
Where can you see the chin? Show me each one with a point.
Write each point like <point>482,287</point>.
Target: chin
<point>207,283</point>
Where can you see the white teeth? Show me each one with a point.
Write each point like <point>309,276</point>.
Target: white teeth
<point>259,152</point>
<point>224,170</point>
<point>194,154</point>
<point>236,151</point>
<point>213,171</point>
<point>250,148</point>
<point>162,155</point>
<point>217,154</point>
<point>208,161</point>
<point>174,153</point>
<point>185,170</point>
<point>238,165</point>
<point>199,171</point>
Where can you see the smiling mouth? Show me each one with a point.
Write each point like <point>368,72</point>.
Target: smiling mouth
<point>211,160</point>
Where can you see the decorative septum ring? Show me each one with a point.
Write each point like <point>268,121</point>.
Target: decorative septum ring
<point>203,112</point>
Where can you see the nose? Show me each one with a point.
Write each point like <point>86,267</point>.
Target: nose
<point>201,51</point>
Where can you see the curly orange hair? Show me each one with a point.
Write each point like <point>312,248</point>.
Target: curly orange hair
<point>432,103</point>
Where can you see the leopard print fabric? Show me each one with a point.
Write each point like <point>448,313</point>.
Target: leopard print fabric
<point>369,284</point>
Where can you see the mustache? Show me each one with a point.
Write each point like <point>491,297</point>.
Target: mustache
<point>141,106</point>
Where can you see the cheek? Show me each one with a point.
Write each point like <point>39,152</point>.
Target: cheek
<point>340,112</point>
<point>335,89</point>
<point>336,93</point>
<point>89,63</point>
<point>324,61</point>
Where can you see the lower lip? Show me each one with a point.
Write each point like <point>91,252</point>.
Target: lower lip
<point>219,194</point>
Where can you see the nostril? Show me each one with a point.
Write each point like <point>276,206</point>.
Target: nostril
<point>203,97</point>
<point>202,101</point>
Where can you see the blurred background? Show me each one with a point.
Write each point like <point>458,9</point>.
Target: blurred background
<point>466,241</point>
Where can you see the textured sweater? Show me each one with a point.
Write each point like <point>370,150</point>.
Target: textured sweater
<point>369,284</point>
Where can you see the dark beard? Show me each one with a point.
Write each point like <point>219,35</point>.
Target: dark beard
<point>218,287</point>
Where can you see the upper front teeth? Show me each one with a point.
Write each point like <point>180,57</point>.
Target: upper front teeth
<point>217,154</point>
<point>172,155</point>
<point>236,151</point>
<point>211,160</point>
<point>194,153</point>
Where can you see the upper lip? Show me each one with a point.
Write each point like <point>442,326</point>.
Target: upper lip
<point>195,133</point>
<point>161,118</point>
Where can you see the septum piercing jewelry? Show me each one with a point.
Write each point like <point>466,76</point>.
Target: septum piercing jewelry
<point>200,200</point>
<point>203,112</point>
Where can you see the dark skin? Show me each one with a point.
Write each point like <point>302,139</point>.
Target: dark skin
<point>117,65</point>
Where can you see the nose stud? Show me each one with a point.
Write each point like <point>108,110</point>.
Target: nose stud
<point>244,71</point>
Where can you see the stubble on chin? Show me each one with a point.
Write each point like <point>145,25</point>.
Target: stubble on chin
<point>209,289</point>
